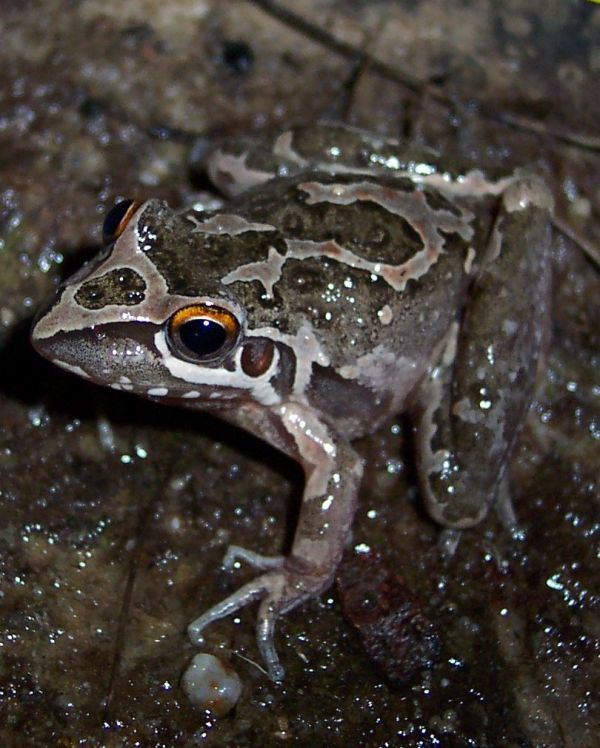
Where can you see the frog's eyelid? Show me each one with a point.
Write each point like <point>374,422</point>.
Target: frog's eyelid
<point>117,219</point>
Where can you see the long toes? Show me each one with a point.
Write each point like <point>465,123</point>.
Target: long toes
<point>245,595</point>
<point>265,635</point>
<point>258,561</point>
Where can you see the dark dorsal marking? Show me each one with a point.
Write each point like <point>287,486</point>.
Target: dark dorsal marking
<point>122,286</point>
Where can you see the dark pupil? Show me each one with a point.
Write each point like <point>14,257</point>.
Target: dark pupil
<point>114,218</point>
<point>202,336</point>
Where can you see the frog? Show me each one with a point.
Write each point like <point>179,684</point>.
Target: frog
<point>345,277</point>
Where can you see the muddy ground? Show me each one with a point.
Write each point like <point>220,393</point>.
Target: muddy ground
<point>116,512</point>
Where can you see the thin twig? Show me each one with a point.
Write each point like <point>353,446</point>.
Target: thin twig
<point>588,249</point>
<point>586,142</point>
<point>123,620</point>
<point>415,85</point>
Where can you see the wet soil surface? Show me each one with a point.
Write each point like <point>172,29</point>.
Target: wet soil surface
<point>116,512</point>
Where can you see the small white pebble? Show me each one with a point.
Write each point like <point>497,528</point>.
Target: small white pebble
<point>211,684</point>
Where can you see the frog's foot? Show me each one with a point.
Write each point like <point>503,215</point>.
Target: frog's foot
<point>281,589</point>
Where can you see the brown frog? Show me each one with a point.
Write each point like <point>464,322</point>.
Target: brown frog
<point>346,279</point>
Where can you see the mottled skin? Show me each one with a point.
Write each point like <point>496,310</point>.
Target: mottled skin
<point>362,281</point>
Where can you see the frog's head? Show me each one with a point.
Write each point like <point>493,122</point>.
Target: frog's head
<point>149,314</point>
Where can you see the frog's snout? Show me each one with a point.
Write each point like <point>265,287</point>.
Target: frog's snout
<point>38,340</point>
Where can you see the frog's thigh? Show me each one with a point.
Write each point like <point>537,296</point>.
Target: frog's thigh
<point>477,399</point>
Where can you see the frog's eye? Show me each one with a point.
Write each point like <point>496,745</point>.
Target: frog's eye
<point>117,219</point>
<point>202,333</point>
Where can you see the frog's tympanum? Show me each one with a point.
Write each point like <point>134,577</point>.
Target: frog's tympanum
<point>346,279</point>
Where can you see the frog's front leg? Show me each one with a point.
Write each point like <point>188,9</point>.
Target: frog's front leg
<point>476,398</point>
<point>333,471</point>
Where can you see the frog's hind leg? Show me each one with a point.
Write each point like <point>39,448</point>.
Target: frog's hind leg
<point>476,398</point>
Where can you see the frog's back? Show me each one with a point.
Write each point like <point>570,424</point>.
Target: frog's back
<point>375,266</point>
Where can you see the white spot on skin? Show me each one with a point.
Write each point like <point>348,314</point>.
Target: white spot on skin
<point>383,370</point>
<point>191,394</point>
<point>126,383</point>
<point>7,316</point>
<point>385,315</point>
<point>439,461</point>
<point>158,391</point>
<point>509,326</point>
<point>326,505</point>
<point>528,192</point>
<point>106,435</point>
<point>471,254</point>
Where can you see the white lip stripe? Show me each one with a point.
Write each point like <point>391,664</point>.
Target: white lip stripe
<point>304,344</point>
<point>221,379</point>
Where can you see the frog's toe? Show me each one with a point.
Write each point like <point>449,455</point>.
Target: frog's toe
<point>245,595</point>
<point>270,586</point>
<point>265,633</point>
<point>263,563</point>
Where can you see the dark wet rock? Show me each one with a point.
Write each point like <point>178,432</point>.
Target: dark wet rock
<point>115,513</point>
<point>396,634</point>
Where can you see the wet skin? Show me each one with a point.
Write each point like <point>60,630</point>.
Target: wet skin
<point>346,279</point>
